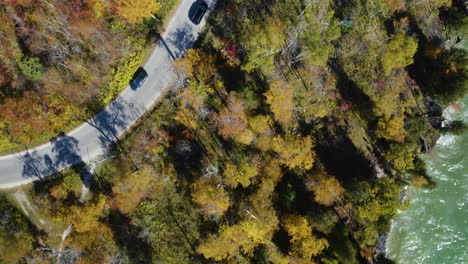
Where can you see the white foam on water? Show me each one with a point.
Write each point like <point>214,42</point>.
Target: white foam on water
<point>447,140</point>
<point>434,229</point>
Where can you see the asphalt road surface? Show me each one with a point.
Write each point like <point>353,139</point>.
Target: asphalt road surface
<point>91,140</point>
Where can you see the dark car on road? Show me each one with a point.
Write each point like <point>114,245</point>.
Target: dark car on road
<point>197,11</point>
<point>138,78</point>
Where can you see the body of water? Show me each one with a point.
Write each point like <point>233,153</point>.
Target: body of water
<point>434,229</point>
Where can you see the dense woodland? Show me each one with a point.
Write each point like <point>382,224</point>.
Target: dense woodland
<point>299,124</point>
<point>61,61</point>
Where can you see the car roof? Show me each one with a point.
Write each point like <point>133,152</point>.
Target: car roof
<point>203,3</point>
<point>140,70</point>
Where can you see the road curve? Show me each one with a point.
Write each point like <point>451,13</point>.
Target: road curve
<point>92,139</point>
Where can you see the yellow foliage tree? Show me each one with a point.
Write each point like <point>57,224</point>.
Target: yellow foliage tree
<point>270,176</point>
<point>211,197</point>
<point>245,137</point>
<point>197,64</point>
<point>129,191</point>
<point>258,226</point>
<point>86,218</point>
<point>239,174</point>
<point>280,97</point>
<point>59,192</point>
<point>392,128</point>
<point>135,11</point>
<point>244,236</point>
<point>187,117</point>
<point>98,7</point>
<point>262,126</point>
<point>396,4</point>
<point>326,188</point>
<point>304,245</point>
<point>90,234</point>
<point>418,181</point>
<point>276,256</point>
<point>295,151</point>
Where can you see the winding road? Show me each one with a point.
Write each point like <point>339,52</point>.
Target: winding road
<point>90,141</point>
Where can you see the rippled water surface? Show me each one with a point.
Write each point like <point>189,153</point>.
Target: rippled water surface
<point>435,227</point>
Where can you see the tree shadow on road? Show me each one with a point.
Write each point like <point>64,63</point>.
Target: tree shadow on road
<point>182,39</point>
<point>35,165</point>
<point>114,120</point>
<point>64,153</point>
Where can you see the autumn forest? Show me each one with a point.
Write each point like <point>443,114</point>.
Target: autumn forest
<point>296,129</point>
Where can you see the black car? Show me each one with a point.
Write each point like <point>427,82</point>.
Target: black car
<point>197,11</point>
<point>138,78</point>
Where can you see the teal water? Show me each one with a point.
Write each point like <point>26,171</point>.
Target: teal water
<point>434,229</point>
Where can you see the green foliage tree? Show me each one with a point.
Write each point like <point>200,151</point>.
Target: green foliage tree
<point>401,157</point>
<point>425,12</point>
<point>263,85</point>
<point>17,235</point>
<point>321,28</point>
<point>122,74</point>
<point>31,68</point>
<point>170,223</point>
<point>324,221</point>
<point>375,206</point>
<point>71,185</point>
<point>444,73</point>
<point>263,42</point>
<point>456,19</point>
<point>398,53</point>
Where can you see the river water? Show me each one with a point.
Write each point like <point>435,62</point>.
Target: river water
<point>434,229</point>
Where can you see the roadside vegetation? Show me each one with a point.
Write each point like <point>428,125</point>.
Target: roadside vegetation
<point>299,125</point>
<point>62,61</point>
